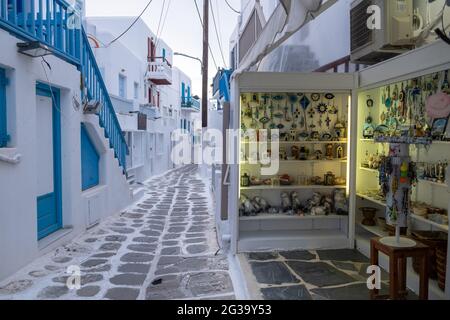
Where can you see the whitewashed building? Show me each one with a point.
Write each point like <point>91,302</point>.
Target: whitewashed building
<point>153,97</point>
<point>62,152</point>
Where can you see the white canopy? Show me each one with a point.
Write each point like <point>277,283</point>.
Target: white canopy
<point>288,18</point>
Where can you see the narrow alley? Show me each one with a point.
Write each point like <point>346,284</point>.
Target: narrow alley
<point>164,247</point>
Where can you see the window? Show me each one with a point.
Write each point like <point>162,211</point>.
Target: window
<point>3,128</point>
<point>89,161</point>
<point>122,86</point>
<point>145,91</point>
<point>249,35</point>
<point>136,90</point>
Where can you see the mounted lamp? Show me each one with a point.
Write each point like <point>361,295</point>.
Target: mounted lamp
<point>34,49</point>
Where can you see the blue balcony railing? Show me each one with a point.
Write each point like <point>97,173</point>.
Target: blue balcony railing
<point>55,24</point>
<point>190,103</point>
<point>52,22</point>
<point>96,90</point>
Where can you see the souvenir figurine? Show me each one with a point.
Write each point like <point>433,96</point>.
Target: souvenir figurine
<point>339,131</point>
<point>340,202</point>
<point>340,152</point>
<point>246,207</point>
<point>318,155</point>
<point>256,206</point>
<point>296,204</point>
<point>303,155</point>
<point>283,154</point>
<point>295,151</point>
<point>286,203</point>
<point>245,180</point>
<point>329,152</point>
<point>329,179</point>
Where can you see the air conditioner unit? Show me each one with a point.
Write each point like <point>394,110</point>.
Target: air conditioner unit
<point>396,35</point>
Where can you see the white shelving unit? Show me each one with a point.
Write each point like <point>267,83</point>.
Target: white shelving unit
<point>271,232</point>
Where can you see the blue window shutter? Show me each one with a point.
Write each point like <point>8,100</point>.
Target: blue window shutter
<point>183,94</point>
<point>89,162</point>
<point>3,127</point>
<point>189,93</point>
<point>164,54</point>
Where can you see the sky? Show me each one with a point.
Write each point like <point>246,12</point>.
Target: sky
<point>182,30</point>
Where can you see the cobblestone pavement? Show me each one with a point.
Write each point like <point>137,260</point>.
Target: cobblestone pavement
<point>162,248</point>
<point>311,275</point>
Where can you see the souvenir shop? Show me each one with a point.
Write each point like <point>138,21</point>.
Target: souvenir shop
<point>360,156</point>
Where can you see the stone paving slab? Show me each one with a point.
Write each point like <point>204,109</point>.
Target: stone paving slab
<point>161,248</point>
<point>310,275</point>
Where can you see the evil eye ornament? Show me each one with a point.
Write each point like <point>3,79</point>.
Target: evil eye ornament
<point>329,96</point>
<point>370,103</point>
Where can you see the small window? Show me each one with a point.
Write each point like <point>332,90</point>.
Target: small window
<point>136,90</point>
<point>3,115</point>
<point>90,158</point>
<point>122,86</point>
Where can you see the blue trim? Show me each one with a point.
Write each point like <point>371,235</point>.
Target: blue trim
<point>49,207</point>
<point>3,114</point>
<point>90,159</point>
<point>183,93</point>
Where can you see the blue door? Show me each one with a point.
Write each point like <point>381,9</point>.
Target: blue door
<point>48,157</point>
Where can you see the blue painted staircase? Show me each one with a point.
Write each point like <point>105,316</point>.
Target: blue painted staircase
<point>55,24</point>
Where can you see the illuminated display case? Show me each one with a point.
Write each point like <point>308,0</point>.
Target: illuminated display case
<point>303,202</point>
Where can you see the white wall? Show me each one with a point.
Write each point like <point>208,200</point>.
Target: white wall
<point>128,57</point>
<point>18,188</point>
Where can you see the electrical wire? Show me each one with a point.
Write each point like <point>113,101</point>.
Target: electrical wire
<point>160,20</point>
<point>217,34</point>
<point>201,22</point>
<point>164,22</point>
<point>233,9</point>
<point>132,25</point>
<point>443,18</point>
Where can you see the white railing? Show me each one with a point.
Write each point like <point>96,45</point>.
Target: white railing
<point>160,71</point>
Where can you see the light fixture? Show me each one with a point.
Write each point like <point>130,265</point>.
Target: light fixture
<point>92,107</point>
<point>34,49</point>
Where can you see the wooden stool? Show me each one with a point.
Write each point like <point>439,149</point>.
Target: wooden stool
<point>397,268</point>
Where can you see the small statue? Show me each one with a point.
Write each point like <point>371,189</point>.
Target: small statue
<point>286,203</point>
<point>262,203</point>
<point>340,202</point>
<point>329,152</point>
<point>296,204</point>
<point>340,152</point>
<point>246,207</point>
